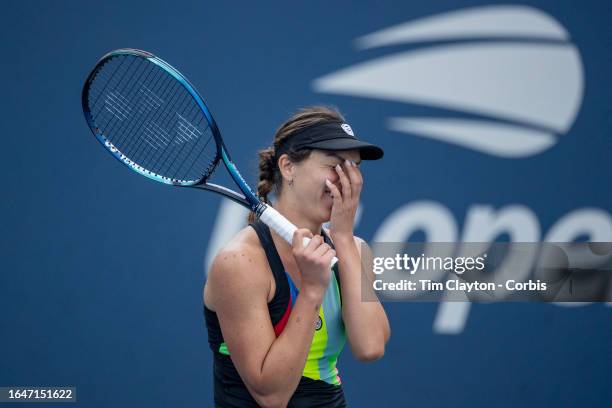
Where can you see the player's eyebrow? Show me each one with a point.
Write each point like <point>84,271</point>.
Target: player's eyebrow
<point>341,158</point>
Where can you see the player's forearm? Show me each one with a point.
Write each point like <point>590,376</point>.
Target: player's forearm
<point>284,363</point>
<point>366,323</point>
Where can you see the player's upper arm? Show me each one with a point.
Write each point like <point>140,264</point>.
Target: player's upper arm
<point>365,252</point>
<point>366,256</point>
<point>359,242</point>
<point>239,287</point>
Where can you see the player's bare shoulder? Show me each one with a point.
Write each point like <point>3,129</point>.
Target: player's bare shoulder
<point>240,263</point>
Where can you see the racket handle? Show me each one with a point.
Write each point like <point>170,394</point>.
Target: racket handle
<point>283,227</point>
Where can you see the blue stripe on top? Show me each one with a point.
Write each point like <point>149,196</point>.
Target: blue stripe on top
<point>293,289</point>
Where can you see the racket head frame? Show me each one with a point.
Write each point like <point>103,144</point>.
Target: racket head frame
<point>248,199</point>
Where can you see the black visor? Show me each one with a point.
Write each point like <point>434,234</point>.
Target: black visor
<point>330,136</point>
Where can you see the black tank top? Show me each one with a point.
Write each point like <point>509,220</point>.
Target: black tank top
<point>229,389</point>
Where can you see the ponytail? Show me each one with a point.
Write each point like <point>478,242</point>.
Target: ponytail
<point>267,176</point>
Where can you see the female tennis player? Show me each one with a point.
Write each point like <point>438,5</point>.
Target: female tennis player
<point>277,314</point>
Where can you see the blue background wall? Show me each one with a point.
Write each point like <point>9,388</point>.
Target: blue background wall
<point>101,272</point>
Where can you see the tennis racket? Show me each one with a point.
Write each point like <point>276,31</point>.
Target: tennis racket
<point>150,117</point>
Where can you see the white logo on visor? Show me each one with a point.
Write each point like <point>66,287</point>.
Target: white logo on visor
<point>347,129</point>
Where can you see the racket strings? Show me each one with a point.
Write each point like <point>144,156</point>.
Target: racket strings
<point>169,160</point>
<point>129,127</point>
<point>190,131</point>
<point>109,98</point>
<point>101,73</point>
<point>152,119</point>
<point>123,132</point>
<point>113,126</point>
<point>155,132</point>
<point>125,128</point>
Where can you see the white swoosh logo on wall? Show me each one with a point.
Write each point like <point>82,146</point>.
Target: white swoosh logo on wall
<point>481,22</point>
<point>537,86</point>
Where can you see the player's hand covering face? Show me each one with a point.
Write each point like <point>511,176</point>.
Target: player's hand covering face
<point>345,192</point>
<point>329,188</point>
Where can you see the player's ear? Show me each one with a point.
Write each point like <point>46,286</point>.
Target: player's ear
<point>286,167</point>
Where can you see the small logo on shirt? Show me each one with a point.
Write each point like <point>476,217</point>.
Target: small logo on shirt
<point>319,324</point>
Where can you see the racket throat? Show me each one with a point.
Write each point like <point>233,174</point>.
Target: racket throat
<point>232,195</point>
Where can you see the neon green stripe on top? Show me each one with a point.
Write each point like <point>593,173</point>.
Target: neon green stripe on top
<point>329,337</point>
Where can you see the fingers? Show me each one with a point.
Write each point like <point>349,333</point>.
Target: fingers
<point>315,248</point>
<point>324,254</point>
<point>328,256</point>
<point>345,182</point>
<point>305,243</point>
<point>337,197</point>
<point>298,238</point>
<point>355,177</point>
<point>321,250</point>
<point>314,243</point>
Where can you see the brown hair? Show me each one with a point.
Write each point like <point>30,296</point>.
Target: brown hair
<point>270,179</point>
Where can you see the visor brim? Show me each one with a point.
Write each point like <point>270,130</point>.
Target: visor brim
<point>367,151</point>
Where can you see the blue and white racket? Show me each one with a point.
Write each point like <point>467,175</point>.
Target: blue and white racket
<point>148,115</point>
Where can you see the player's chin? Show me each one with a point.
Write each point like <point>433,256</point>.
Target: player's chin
<point>326,210</point>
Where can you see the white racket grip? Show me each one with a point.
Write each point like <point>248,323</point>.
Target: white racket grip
<point>284,227</point>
